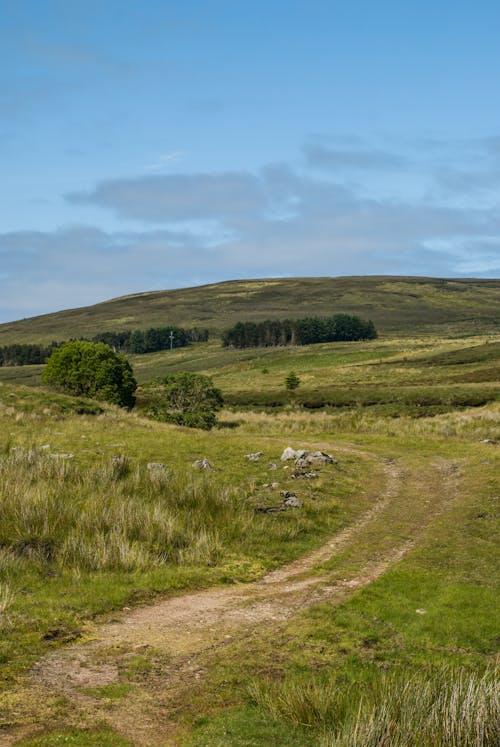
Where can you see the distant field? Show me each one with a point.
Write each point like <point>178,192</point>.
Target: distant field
<point>397,305</point>
<point>418,376</point>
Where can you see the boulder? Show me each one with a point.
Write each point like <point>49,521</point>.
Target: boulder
<point>289,453</point>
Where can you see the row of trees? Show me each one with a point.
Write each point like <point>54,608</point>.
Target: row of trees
<point>306,331</point>
<point>25,355</point>
<point>151,340</point>
<point>137,341</point>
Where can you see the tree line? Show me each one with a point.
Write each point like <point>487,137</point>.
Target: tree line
<point>136,341</point>
<point>306,331</point>
<point>26,355</point>
<point>151,340</point>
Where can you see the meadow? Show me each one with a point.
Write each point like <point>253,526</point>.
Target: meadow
<point>394,643</point>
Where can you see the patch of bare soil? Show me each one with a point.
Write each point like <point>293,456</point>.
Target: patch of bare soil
<point>175,638</point>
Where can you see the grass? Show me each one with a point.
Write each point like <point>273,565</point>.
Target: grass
<point>410,659</point>
<point>87,527</point>
<point>402,304</point>
<point>447,708</point>
<point>100,737</point>
<point>93,529</point>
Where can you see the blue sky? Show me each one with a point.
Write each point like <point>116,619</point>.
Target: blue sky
<point>148,145</point>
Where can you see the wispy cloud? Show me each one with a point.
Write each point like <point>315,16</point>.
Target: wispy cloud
<point>165,160</point>
<point>352,158</point>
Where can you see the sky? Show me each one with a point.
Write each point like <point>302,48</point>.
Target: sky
<point>157,144</point>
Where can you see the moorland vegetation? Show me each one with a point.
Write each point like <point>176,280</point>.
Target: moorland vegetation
<point>377,625</point>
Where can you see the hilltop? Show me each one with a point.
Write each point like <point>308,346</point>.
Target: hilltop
<point>395,304</point>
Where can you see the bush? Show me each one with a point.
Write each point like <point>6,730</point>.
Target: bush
<point>93,370</point>
<point>186,399</point>
<point>292,381</point>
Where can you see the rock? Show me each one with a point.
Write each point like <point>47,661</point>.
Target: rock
<point>272,466</point>
<point>305,458</point>
<point>254,457</point>
<point>306,475</point>
<point>275,485</point>
<point>203,464</point>
<point>45,447</point>
<point>489,441</point>
<point>288,453</point>
<point>319,457</point>
<point>156,467</point>
<point>268,509</point>
<point>421,611</point>
<point>61,456</point>
<point>292,502</point>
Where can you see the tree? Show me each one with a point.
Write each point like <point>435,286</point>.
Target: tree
<point>91,369</point>
<point>292,381</point>
<point>186,399</point>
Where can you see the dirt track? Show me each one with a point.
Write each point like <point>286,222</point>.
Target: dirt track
<point>186,632</point>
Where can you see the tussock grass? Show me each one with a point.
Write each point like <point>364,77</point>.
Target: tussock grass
<point>475,423</point>
<point>449,708</point>
<point>107,517</point>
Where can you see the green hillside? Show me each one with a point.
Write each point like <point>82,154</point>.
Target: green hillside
<point>395,304</point>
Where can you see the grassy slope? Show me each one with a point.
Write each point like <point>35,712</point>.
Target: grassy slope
<point>394,304</point>
<point>420,376</point>
<point>450,573</point>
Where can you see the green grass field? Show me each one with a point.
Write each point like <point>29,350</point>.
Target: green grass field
<point>386,638</point>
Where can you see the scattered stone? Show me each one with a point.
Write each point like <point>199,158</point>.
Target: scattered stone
<point>275,485</point>
<point>268,509</point>
<point>288,453</point>
<point>292,502</point>
<point>305,458</point>
<point>421,611</point>
<point>489,441</point>
<point>286,493</point>
<point>319,457</point>
<point>306,475</point>
<point>254,457</point>
<point>203,464</point>
<point>272,466</point>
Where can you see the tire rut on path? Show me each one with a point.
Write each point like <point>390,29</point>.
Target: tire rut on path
<point>186,629</point>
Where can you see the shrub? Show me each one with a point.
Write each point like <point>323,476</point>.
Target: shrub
<point>186,399</point>
<point>292,381</point>
<point>93,370</point>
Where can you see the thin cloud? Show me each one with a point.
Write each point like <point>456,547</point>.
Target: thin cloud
<point>358,159</point>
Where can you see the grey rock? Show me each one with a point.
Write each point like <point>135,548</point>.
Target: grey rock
<point>254,457</point>
<point>203,464</point>
<point>292,502</point>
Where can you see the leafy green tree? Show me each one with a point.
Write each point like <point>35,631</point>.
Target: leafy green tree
<point>292,381</point>
<point>91,369</point>
<point>186,399</point>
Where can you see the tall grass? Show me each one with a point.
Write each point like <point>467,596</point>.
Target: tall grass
<point>477,423</point>
<point>110,517</point>
<point>450,708</point>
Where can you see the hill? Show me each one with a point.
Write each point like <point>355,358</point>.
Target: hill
<point>396,305</point>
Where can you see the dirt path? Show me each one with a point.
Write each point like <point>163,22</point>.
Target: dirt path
<point>176,639</point>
